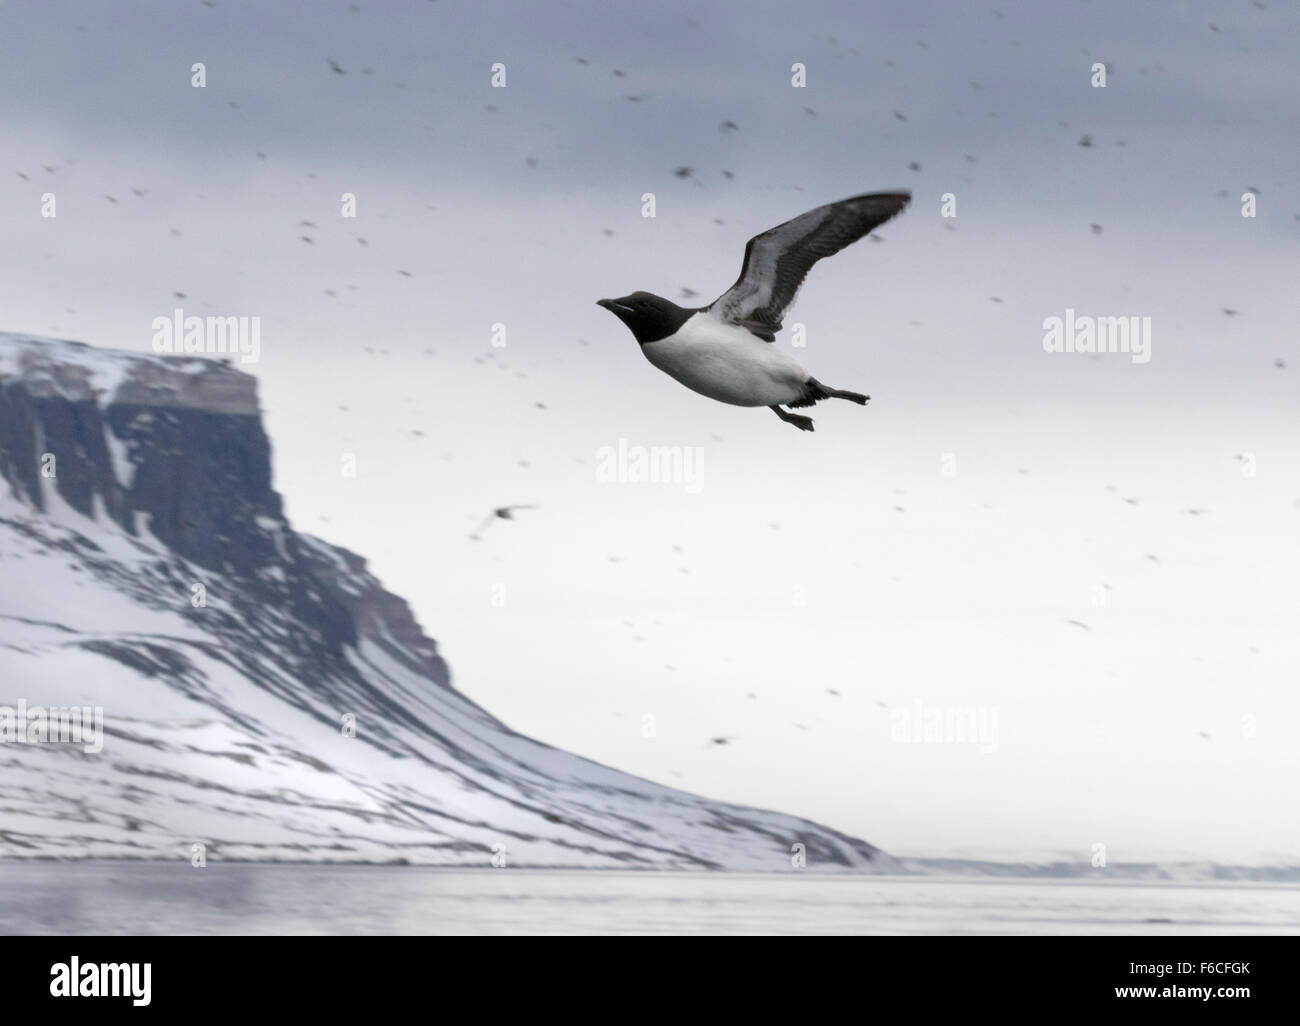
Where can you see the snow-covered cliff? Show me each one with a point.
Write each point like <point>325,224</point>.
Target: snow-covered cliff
<point>147,569</point>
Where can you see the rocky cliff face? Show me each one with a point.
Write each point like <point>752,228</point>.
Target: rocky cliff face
<point>146,568</point>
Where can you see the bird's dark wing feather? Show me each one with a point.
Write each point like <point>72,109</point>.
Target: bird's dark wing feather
<point>777,261</point>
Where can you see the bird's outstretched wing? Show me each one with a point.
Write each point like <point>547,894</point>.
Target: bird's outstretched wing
<point>487,522</point>
<point>777,261</point>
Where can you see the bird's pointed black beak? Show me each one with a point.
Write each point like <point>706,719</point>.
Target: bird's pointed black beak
<point>608,304</point>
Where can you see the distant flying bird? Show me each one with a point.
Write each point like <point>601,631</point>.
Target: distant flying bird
<point>722,350</point>
<point>500,513</point>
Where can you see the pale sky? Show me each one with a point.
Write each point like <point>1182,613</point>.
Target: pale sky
<point>1160,723</point>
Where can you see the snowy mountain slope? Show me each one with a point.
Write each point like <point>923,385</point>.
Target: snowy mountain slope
<point>222,718</point>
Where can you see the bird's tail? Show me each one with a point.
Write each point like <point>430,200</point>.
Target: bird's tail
<point>815,392</point>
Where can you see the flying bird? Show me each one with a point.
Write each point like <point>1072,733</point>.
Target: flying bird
<point>723,350</point>
<point>500,513</point>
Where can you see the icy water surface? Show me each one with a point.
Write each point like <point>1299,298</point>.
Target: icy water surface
<point>143,898</point>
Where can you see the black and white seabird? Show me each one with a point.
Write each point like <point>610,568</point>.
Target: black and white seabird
<point>723,350</point>
<point>500,513</point>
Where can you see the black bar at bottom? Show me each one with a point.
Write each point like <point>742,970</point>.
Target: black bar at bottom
<point>610,978</point>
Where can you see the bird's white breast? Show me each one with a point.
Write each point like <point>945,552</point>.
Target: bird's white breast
<point>727,363</point>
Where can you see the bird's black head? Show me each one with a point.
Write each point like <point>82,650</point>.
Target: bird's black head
<point>647,316</point>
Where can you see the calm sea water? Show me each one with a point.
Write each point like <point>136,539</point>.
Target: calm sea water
<point>144,898</point>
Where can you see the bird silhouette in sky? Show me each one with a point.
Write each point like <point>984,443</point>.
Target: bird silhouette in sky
<point>500,513</point>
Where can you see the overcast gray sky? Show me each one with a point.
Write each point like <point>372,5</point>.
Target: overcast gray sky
<point>1161,722</point>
